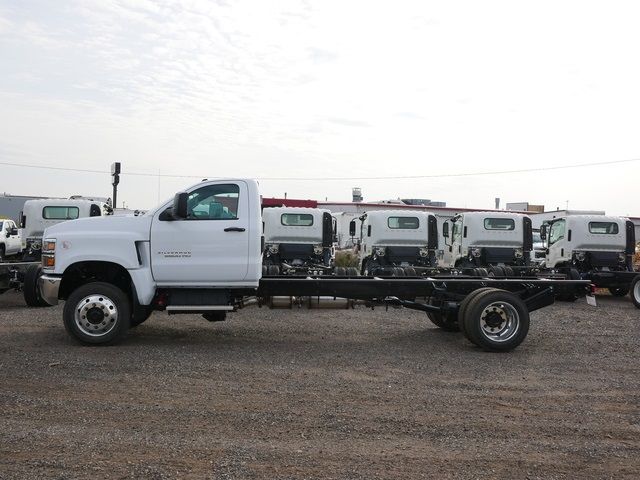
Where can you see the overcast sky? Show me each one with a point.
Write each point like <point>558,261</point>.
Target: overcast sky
<point>324,89</point>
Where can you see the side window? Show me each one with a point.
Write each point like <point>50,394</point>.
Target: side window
<point>214,202</point>
<point>60,213</point>
<point>296,219</point>
<point>409,223</point>
<point>499,224</point>
<point>557,231</point>
<point>610,228</point>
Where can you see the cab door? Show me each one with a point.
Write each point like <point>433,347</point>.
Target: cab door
<point>557,242</point>
<point>210,247</point>
<point>12,239</point>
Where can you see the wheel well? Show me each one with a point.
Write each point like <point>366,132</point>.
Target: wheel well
<point>84,272</point>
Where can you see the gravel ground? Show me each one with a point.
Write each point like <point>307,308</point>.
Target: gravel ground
<point>321,394</point>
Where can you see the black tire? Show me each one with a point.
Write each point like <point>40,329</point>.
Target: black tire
<point>340,271</point>
<point>105,294</point>
<point>508,271</point>
<point>572,274</point>
<point>635,291</point>
<point>30,288</point>
<point>463,307</point>
<point>496,271</point>
<point>273,270</point>
<point>398,272</point>
<point>139,315</point>
<point>1,253</point>
<point>448,323</point>
<point>494,305</point>
<point>353,272</point>
<point>618,291</point>
<point>265,270</point>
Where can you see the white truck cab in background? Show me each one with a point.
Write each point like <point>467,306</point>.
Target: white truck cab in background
<point>483,239</point>
<point>38,215</point>
<point>10,239</point>
<point>347,229</point>
<point>394,240</point>
<point>298,241</point>
<point>590,242</point>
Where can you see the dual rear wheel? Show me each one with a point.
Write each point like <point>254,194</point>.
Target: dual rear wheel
<point>493,319</point>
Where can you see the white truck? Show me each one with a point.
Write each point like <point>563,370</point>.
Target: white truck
<point>593,247</point>
<point>397,243</point>
<point>186,257</point>
<point>37,215</point>
<point>498,243</point>
<point>10,239</point>
<point>298,241</point>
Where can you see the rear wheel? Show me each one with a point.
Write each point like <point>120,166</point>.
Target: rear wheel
<point>31,289</point>
<point>410,272</point>
<point>273,270</point>
<point>353,272</point>
<point>2,256</point>
<point>97,313</point>
<point>496,320</point>
<point>618,291</point>
<point>463,307</point>
<point>635,291</point>
<point>340,271</point>
<point>571,296</point>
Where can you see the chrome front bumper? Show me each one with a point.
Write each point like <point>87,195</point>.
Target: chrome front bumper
<point>49,286</point>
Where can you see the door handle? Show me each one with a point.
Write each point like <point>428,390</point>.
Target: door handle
<point>234,229</point>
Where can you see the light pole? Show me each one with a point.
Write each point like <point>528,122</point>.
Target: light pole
<point>115,180</point>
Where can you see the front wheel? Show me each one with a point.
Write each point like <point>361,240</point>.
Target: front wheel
<point>97,313</point>
<point>496,320</point>
<point>635,291</point>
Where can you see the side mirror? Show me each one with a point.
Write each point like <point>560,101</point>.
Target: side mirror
<point>352,228</point>
<point>12,232</point>
<point>180,205</point>
<point>543,232</point>
<point>8,234</point>
<point>445,229</point>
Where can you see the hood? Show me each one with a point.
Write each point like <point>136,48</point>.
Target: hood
<point>136,227</point>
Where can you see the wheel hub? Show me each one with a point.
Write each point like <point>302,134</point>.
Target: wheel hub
<point>500,321</point>
<point>96,315</point>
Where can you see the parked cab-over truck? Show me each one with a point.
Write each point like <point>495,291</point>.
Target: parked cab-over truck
<point>184,257</point>
<point>397,242</point>
<point>594,247</point>
<point>298,241</point>
<point>38,215</point>
<point>500,242</point>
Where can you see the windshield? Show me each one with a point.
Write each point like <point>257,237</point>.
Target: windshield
<point>557,231</point>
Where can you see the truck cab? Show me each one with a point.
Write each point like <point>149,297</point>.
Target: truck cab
<point>397,242</point>
<point>38,215</point>
<point>485,239</point>
<point>298,241</point>
<point>590,243</point>
<point>10,239</point>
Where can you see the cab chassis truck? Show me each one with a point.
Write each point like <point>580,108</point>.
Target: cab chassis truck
<point>113,272</point>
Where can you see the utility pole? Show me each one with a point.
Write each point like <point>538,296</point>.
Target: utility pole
<point>115,180</point>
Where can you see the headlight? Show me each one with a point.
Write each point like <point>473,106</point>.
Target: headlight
<point>476,252</point>
<point>580,256</point>
<point>518,253</point>
<point>424,252</point>
<point>49,246</point>
<point>49,253</point>
<point>317,249</point>
<point>379,251</point>
<point>622,257</point>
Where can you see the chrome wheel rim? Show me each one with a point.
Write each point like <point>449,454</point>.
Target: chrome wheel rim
<point>499,321</point>
<point>96,315</point>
